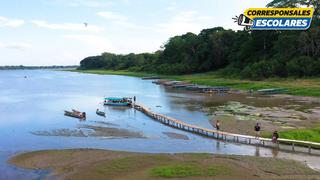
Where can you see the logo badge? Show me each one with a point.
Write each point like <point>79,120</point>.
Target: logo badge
<point>275,18</point>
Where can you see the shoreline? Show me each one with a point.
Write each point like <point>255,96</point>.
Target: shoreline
<point>290,129</point>
<point>89,163</point>
<point>309,87</point>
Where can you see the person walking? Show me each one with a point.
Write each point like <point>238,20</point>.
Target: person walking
<point>257,129</point>
<point>275,137</point>
<point>218,125</point>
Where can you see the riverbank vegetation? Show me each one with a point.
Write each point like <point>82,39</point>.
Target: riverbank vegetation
<point>312,135</point>
<point>102,164</point>
<point>254,55</point>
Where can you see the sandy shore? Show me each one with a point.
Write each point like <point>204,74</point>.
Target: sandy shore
<point>103,164</point>
<point>91,131</point>
<point>176,135</point>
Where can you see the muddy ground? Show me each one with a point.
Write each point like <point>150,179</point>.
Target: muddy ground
<point>92,131</point>
<point>176,135</point>
<point>238,113</point>
<point>102,164</point>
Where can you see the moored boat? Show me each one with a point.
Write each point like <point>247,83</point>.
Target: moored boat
<point>150,78</point>
<point>271,91</point>
<point>100,113</point>
<point>75,114</point>
<point>112,101</point>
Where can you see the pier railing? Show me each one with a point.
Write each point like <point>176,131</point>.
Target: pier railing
<point>283,144</point>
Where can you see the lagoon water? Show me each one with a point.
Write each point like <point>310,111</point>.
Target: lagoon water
<point>36,103</point>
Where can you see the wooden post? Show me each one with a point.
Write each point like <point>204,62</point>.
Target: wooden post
<point>249,141</point>
<point>309,149</point>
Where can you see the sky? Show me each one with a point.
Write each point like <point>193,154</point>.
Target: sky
<point>53,32</point>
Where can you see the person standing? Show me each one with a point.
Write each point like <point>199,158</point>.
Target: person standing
<point>218,125</point>
<point>275,136</point>
<point>257,129</point>
<point>134,99</point>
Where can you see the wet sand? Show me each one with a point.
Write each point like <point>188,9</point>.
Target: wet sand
<point>91,131</point>
<point>103,164</point>
<point>176,135</point>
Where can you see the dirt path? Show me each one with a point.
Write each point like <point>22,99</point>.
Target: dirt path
<point>102,164</point>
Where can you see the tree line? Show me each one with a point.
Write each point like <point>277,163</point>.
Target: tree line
<point>248,54</point>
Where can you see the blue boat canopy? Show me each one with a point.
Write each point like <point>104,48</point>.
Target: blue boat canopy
<point>113,99</point>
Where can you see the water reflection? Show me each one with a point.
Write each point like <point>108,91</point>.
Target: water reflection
<point>257,152</point>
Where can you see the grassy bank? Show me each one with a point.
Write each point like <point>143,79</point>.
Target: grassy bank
<point>102,164</point>
<point>300,87</point>
<point>302,134</point>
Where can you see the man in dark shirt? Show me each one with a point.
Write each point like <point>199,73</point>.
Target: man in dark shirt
<point>257,129</point>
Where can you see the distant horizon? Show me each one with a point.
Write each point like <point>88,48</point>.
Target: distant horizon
<point>35,66</point>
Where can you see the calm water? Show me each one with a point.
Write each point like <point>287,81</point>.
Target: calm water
<point>36,103</point>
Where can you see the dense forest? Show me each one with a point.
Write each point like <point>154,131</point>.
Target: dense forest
<point>247,54</point>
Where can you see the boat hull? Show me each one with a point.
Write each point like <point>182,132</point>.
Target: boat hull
<point>101,114</point>
<point>72,114</point>
<point>117,104</point>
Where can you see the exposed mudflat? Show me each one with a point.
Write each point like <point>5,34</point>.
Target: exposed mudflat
<point>91,131</point>
<point>238,117</point>
<point>176,135</point>
<point>103,164</point>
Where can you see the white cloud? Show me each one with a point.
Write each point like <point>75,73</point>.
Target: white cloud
<point>7,22</point>
<point>15,45</point>
<point>188,21</point>
<point>67,26</point>
<point>112,16</point>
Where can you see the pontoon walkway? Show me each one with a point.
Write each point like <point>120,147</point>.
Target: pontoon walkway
<point>283,144</point>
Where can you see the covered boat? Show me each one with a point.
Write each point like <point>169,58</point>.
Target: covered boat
<point>112,101</point>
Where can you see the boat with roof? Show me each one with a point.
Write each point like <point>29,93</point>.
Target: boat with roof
<point>114,101</point>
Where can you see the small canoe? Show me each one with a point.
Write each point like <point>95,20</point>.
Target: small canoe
<point>100,113</point>
<point>75,114</point>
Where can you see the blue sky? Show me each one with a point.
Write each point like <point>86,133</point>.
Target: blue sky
<point>52,32</point>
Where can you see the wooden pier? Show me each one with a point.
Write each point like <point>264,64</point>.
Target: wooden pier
<point>283,144</point>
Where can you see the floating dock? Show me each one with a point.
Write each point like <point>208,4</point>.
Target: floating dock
<point>282,144</point>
